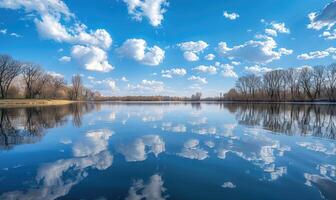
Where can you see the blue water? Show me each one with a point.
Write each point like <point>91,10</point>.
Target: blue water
<point>168,151</point>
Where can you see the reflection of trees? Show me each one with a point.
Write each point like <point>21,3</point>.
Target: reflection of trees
<point>290,119</point>
<point>28,125</point>
<point>196,105</point>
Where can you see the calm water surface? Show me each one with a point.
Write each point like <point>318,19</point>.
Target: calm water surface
<point>168,151</point>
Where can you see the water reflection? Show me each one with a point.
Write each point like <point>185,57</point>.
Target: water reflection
<point>153,190</point>
<point>28,125</point>
<point>136,149</point>
<point>169,151</point>
<point>54,180</point>
<point>290,119</point>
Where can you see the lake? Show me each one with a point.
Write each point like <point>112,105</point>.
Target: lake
<point>162,151</point>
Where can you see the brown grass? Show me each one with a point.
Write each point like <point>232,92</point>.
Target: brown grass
<point>5,103</point>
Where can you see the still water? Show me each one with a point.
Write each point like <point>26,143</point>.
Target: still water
<point>163,151</point>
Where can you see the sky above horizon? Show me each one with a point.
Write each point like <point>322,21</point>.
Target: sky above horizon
<point>167,47</point>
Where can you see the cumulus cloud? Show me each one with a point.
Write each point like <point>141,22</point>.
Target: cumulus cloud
<point>124,79</point>
<point>138,50</point>
<point>169,73</point>
<point>280,27</point>
<point>64,59</point>
<point>228,185</point>
<point>324,19</point>
<point>3,31</point>
<point>198,79</point>
<point>48,20</point>
<point>138,149</point>
<point>271,32</point>
<point>230,16</point>
<point>192,49</point>
<point>206,69</point>
<point>263,50</point>
<point>153,10</point>
<point>178,128</point>
<point>190,56</point>
<point>105,86</point>
<point>210,56</point>
<point>192,151</point>
<point>55,74</point>
<point>257,70</point>
<point>331,51</point>
<point>93,143</point>
<point>154,190</point>
<point>93,58</point>
<point>228,71</point>
<point>147,86</point>
<point>274,28</point>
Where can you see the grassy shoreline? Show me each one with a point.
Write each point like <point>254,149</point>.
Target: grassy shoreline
<point>5,103</point>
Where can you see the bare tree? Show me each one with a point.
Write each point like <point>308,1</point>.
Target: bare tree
<point>77,87</point>
<point>56,83</point>
<point>272,83</point>
<point>318,80</point>
<point>331,82</point>
<point>9,69</point>
<point>308,83</point>
<point>34,79</point>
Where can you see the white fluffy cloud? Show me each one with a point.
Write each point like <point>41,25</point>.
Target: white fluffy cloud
<point>138,149</point>
<point>154,190</point>
<point>255,51</point>
<point>55,74</point>
<point>280,27</point>
<point>64,59</point>
<point>209,56</point>
<point>331,51</point>
<point>153,10</point>
<point>276,27</point>
<point>271,32</point>
<point>257,70</point>
<point>206,69</point>
<point>105,86</point>
<point>93,58</point>
<point>198,79</point>
<point>228,185</point>
<point>325,19</point>
<point>228,71</point>
<point>3,31</point>
<point>138,50</point>
<point>169,73</point>
<point>190,56</point>
<point>147,86</point>
<point>191,150</point>
<point>230,16</point>
<point>124,79</point>
<point>48,20</point>
<point>192,49</point>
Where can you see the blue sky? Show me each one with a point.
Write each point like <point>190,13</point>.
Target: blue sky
<point>173,47</point>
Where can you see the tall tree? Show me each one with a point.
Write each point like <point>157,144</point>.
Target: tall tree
<point>34,79</point>
<point>77,86</point>
<point>9,69</point>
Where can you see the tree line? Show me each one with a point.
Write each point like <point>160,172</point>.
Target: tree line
<point>301,84</point>
<point>28,80</point>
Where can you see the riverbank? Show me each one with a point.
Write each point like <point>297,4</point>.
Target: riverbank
<point>5,103</point>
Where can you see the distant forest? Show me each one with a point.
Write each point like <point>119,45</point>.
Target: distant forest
<point>301,84</point>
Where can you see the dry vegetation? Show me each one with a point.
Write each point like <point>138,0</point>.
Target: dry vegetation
<point>22,80</point>
<point>305,84</point>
